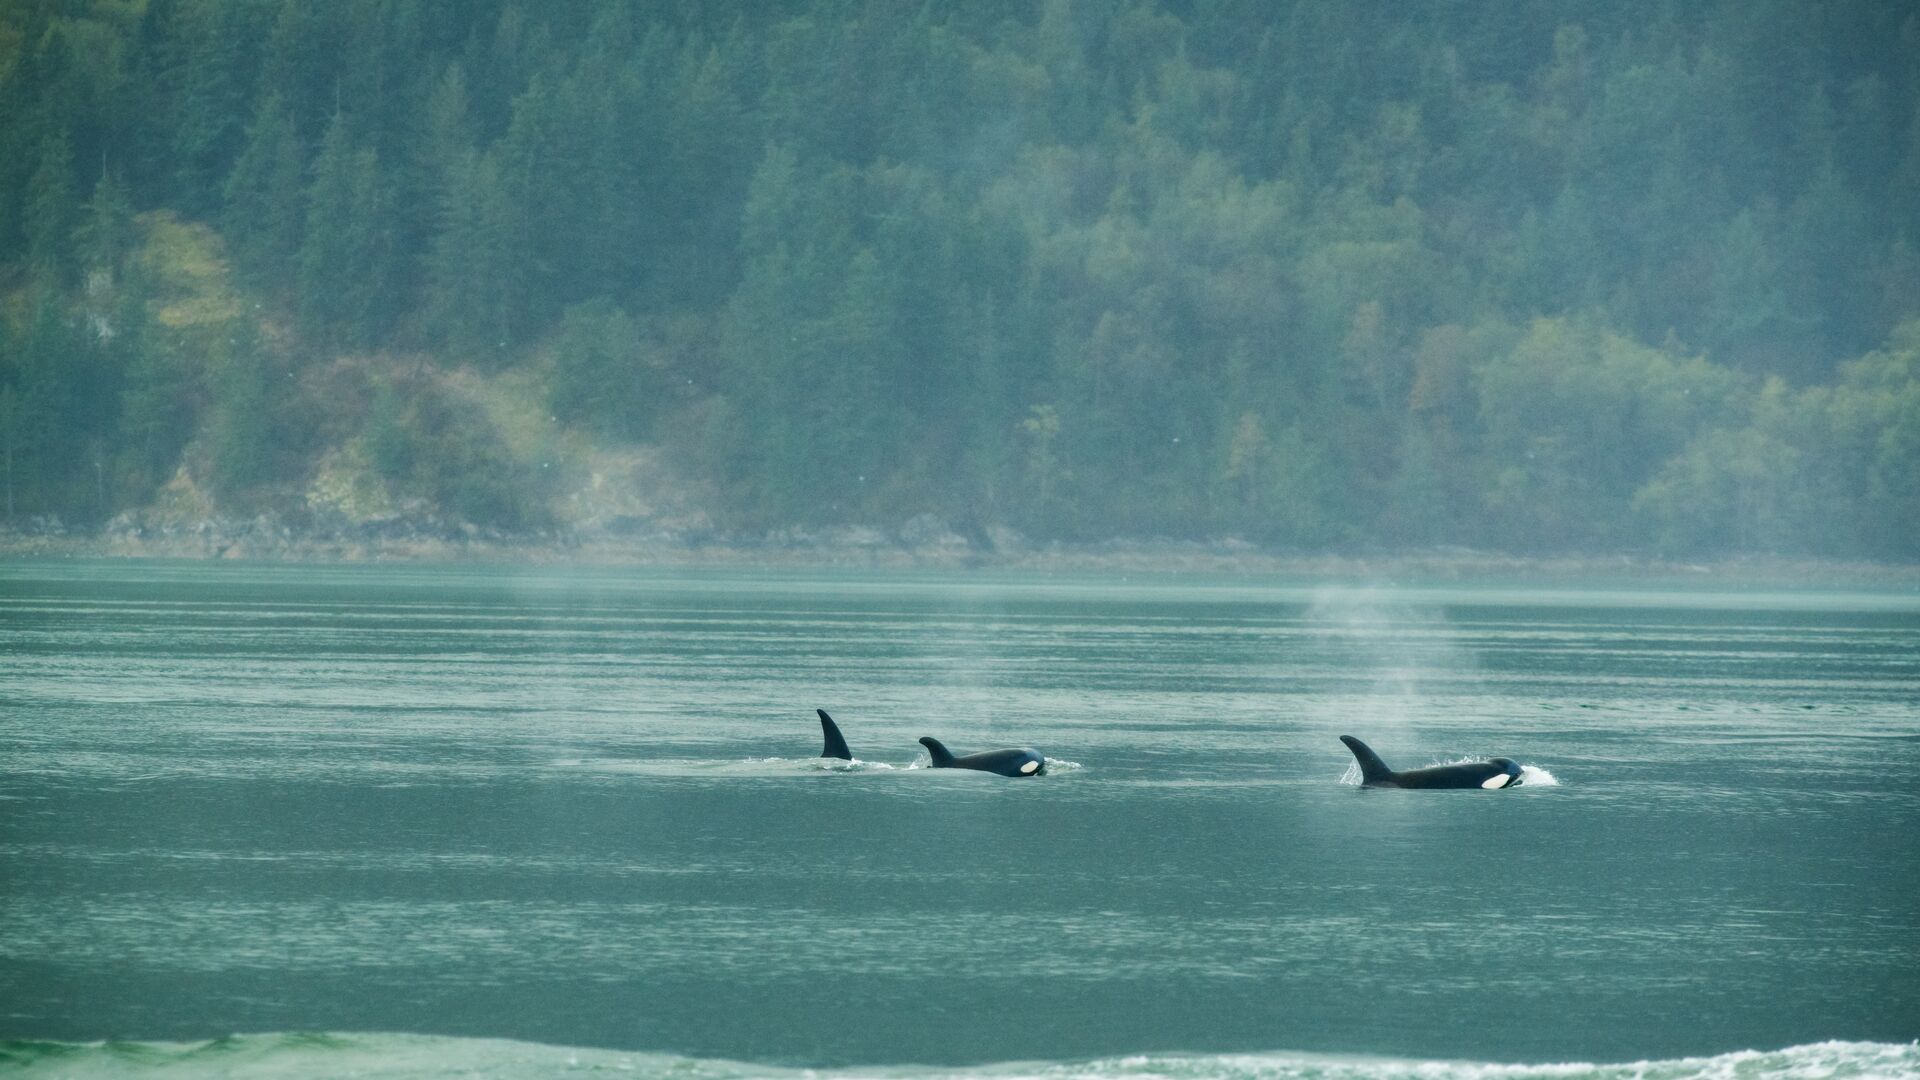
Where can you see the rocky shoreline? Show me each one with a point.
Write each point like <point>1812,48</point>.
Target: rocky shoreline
<point>922,543</point>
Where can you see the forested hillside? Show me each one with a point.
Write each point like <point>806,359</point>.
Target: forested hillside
<point>1527,275</point>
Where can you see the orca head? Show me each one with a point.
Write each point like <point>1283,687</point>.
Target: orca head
<point>1508,775</point>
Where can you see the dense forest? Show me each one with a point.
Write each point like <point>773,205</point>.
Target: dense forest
<point>1526,275</point>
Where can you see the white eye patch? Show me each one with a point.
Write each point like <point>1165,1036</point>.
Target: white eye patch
<point>1497,780</point>
<point>1029,767</point>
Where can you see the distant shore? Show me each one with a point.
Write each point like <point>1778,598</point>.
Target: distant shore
<point>855,547</point>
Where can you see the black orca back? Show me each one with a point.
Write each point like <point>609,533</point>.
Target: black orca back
<point>1494,774</point>
<point>1014,761</point>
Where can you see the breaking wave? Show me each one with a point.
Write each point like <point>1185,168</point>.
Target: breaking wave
<point>426,1057</point>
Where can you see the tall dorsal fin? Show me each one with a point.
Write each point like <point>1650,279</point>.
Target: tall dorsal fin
<point>942,757</point>
<point>836,746</point>
<point>1372,769</point>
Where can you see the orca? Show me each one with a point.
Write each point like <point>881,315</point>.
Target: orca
<point>1492,775</point>
<point>1021,761</point>
<point>836,746</point>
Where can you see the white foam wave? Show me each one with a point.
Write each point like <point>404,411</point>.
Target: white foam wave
<point>425,1057</point>
<point>1818,1061</point>
<point>1536,776</point>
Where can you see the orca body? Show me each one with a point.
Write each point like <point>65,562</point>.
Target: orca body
<point>1492,775</point>
<point>836,746</point>
<point>1021,761</point>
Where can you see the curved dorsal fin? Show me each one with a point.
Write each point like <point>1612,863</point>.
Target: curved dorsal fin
<point>941,755</point>
<point>1372,769</point>
<point>836,746</point>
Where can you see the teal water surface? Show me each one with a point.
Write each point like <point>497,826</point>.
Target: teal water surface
<point>499,807</point>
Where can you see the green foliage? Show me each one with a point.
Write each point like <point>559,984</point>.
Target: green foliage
<point>1740,489</point>
<point>1874,415</point>
<point>105,235</point>
<point>52,211</point>
<point>472,303</point>
<point>345,265</point>
<point>431,442</point>
<point>1314,274</point>
<point>599,381</point>
<point>265,195</point>
<point>1576,419</point>
<point>240,423</point>
<point>207,49</point>
<point>1280,487</point>
<point>62,412</point>
<point>1816,470</point>
<point>156,413</point>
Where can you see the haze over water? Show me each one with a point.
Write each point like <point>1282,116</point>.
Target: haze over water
<point>583,809</point>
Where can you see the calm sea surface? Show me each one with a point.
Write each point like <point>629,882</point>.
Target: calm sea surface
<point>583,810</point>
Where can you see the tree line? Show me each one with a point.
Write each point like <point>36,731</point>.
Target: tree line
<point>1317,273</point>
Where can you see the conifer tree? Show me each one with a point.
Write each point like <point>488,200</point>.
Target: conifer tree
<point>266,195</point>
<point>52,210</point>
<point>106,232</point>
<point>240,425</point>
<point>475,281</point>
<point>215,46</point>
<point>346,257</point>
<point>45,365</point>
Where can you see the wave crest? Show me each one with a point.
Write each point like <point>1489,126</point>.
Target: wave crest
<point>297,1055</point>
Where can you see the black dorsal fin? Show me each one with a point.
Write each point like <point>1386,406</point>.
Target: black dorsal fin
<point>1372,769</point>
<point>836,746</point>
<point>942,757</point>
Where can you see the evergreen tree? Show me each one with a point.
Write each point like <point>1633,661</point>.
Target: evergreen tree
<point>52,210</point>
<point>446,135</point>
<point>154,406</point>
<point>598,380</point>
<point>106,231</point>
<point>240,424</point>
<point>346,260</point>
<point>216,45</point>
<point>1748,319</point>
<point>475,269</point>
<point>13,436</point>
<point>299,68</point>
<point>1830,242</point>
<point>45,433</point>
<point>12,420</point>
<point>266,195</point>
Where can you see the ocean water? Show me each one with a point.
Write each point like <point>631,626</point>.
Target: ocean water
<point>389,821</point>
